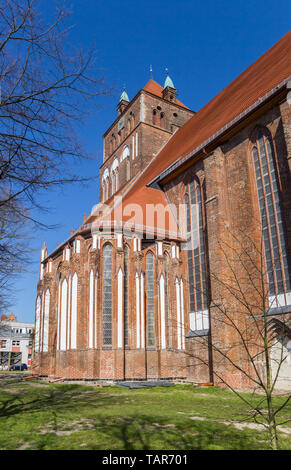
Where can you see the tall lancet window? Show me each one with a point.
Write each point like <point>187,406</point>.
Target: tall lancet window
<point>107,296</point>
<point>166,258</point>
<point>37,324</point>
<point>114,176</point>
<point>91,309</point>
<point>196,257</point>
<point>126,293</point>
<point>74,312</point>
<point>273,227</point>
<point>63,320</point>
<point>150,300</point>
<point>46,321</point>
<point>127,169</point>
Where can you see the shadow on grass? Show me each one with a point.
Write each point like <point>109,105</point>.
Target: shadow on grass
<point>65,407</point>
<point>18,403</point>
<point>143,433</point>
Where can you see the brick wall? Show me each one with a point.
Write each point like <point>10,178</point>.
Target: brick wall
<point>232,228</point>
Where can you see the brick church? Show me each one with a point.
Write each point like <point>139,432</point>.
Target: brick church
<point>188,203</point>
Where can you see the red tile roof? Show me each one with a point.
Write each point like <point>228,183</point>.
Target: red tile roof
<point>156,89</point>
<point>262,76</point>
<point>115,213</point>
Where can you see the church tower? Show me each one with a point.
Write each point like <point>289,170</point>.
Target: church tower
<point>143,126</point>
<point>103,307</point>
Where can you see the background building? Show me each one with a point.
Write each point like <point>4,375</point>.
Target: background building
<point>16,342</point>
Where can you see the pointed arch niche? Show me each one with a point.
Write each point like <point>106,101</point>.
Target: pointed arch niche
<point>273,226</point>
<point>107,295</point>
<point>150,302</point>
<point>196,256</point>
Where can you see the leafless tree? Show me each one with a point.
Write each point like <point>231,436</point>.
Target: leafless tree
<point>14,250</point>
<point>47,87</point>
<point>246,342</point>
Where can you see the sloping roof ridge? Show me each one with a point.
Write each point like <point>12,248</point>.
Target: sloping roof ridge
<point>259,79</point>
<point>154,82</point>
<point>131,184</point>
<point>263,94</point>
<point>156,89</point>
<point>182,159</point>
<point>124,191</point>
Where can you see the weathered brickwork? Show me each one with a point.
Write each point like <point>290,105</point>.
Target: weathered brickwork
<point>108,362</point>
<point>143,133</point>
<point>231,213</point>
<point>231,233</point>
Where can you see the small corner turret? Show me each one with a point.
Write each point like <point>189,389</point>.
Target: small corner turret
<point>169,92</point>
<point>123,102</point>
<point>43,255</point>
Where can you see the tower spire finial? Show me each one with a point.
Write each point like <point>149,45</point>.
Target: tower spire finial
<point>124,95</point>
<point>168,81</point>
<point>151,72</point>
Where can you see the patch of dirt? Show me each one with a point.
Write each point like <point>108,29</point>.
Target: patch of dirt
<point>259,391</point>
<point>66,433</point>
<point>239,425</point>
<point>38,384</point>
<point>260,427</point>
<point>198,418</point>
<point>284,430</point>
<point>158,425</point>
<point>15,390</point>
<point>24,447</point>
<point>212,396</point>
<point>75,426</point>
<point>18,388</point>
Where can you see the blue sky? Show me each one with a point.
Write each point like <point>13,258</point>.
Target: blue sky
<point>204,44</point>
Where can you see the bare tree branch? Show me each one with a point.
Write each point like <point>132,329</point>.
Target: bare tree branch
<point>47,87</point>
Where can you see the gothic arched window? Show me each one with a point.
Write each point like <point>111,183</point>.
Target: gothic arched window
<point>46,321</point>
<point>154,117</point>
<point>150,299</point>
<point>273,227</point>
<point>105,185</point>
<point>63,315</point>
<point>114,176</point>
<point>127,170</point>
<point>37,323</point>
<point>126,293</point>
<point>125,153</point>
<point>107,295</point>
<point>166,258</point>
<point>74,311</point>
<point>116,180</point>
<point>196,257</point>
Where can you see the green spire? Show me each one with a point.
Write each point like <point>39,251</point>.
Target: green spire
<point>168,81</point>
<point>124,96</point>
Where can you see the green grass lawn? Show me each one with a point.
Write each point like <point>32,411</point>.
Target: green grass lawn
<point>46,416</point>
